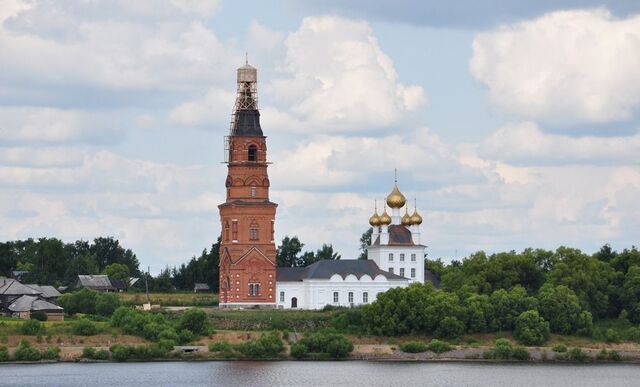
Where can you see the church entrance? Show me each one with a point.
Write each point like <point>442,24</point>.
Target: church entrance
<point>294,302</point>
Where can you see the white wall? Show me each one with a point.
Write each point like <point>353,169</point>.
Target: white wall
<point>380,255</point>
<point>315,294</point>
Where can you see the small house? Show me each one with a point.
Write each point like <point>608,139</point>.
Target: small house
<point>24,306</point>
<point>199,288</point>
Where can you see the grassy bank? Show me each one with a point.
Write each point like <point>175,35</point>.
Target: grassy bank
<point>171,299</point>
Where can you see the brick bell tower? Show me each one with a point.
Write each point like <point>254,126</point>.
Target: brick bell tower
<point>247,248</point>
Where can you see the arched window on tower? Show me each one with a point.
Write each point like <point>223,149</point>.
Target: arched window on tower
<point>253,153</point>
<point>226,230</point>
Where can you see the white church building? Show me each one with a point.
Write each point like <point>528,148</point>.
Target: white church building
<point>395,258</point>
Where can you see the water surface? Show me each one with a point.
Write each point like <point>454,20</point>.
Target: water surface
<point>287,373</point>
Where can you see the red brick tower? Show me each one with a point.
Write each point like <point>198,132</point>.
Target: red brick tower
<point>247,250</point>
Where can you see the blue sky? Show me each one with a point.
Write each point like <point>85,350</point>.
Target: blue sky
<point>514,124</point>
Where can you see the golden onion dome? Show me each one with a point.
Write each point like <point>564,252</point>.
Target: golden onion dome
<point>396,199</point>
<point>374,220</point>
<point>416,218</point>
<point>406,219</point>
<point>385,219</point>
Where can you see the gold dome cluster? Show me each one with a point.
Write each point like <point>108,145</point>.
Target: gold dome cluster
<point>395,200</point>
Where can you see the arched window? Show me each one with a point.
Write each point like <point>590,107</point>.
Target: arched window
<point>226,230</point>
<point>254,231</point>
<point>253,153</point>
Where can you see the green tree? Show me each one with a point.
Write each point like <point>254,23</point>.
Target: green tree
<point>508,305</point>
<point>326,253</point>
<point>287,252</point>
<point>117,271</point>
<point>531,328</point>
<point>195,320</point>
<point>560,306</point>
<point>365,242</point>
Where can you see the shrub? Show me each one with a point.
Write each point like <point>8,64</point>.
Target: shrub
<point>31,328</point>
<point>222,346</point>
<point>325,344</point>
<point>106,304</point>
<point>39,315</point>
<point>560,348</point>
<point>185,336</point>
<point>612,336</point>
<point>196,321</point>
<point>501,350</point>
<point>413,347</point>
<point>4,354</point>
<point>531,329</point>
<point>450,327</point>
<point>84,328</point>
<point>520,353</point>
<point>577,354</point>
<point>268,346</point>
<point>168,334</point>
<point>51,353</point>
<point>438,346</point>
<point>88,352</point>
<point>101,354</point>
<point>584,324</point>
<point>119,352</point>
<point>299,350</point>
<point>26,352</point>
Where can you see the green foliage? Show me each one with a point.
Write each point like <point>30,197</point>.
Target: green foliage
<point>88,352</point>
<point>365,242</point>
<point>531,329</point>
<point>560,306</point>
<point>84,327</point>
<point>87,301</point>
<point>32,328</point>
<point>38,315</point>
<point>120,352</point>
<point>577,354</point>
<point>501,350</point>
<point>25,352</point>
<point>101,354</point>
<point>268,346</point>
<point>4,354</point>
<point>195,320</point>
<point>449,328</point>
<point>299,350</point>
<point>51,353</point>
<point>520,353</point>
<point>508,305</point>
<point>612,336</point>
<point>560,348</point>
<point>413,347</point>
<point>437,346</point>
<point>327,344</point>
<point>117,271</point>
<point>221,346</point>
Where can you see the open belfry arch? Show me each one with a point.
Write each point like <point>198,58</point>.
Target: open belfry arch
<point>248,259</point>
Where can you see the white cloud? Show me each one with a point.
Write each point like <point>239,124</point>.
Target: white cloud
<point>340,79</point>
<point>214,107</point>
<point>566,67</point>
<point>525,143</point>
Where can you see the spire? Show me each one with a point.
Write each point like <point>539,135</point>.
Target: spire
<point>396,199</point>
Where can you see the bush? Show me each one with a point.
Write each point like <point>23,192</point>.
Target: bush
<point>501,350</point>
<point>520,353</point>
<point>106,304</point>
<point>4,354</point>
<point>299,350</point>
<point>560,348</point>
<point>31,328</point>
<point>449,328</point>
<point>437,346</point>
<point>577,354</point>
<point>119,352</point>
<point>25,352</point>
<point>88,352</point>
<point>413,347</point>
<point>101,354</point>
<point>332,345</point>
<point>608,355</point>
<point>612,336</point>
<point>84,328</point>
<point>268,346</point>
<point>531,329</point>
<point>222,346</point>
<point>51,353</point>
<point>196,321</point>
<point>185,336</point>
<point>38,315</point>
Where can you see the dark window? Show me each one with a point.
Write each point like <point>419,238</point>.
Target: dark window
<point>253,231</point>
<point>253,153</point>
<point>254,289</point>
<point>226,230</point>
<point>294,302</point>
<point>234,230</point>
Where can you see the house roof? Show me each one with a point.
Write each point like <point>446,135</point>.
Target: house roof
<point>95,281</point>
<point>47,291</point>
<point>119,284</point>
<point>399,235</point>
<point>33,304</point>
<point>11,287</point>
<point>327,268</point>
<point>200,286</point>
<point>247,123</point>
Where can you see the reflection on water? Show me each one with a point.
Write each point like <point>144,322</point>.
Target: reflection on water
<point>348,373</point>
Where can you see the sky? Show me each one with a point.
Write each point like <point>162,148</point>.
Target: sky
<point>512,124</point>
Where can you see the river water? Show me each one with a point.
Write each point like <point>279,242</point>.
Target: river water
<point>348,373</point>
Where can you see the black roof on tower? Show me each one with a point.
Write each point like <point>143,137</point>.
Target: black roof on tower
<point>247,123</point>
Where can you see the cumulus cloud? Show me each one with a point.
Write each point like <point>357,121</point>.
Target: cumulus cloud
<point>340,79</point>
<point>214,107</point>
<point>525,143</point>
<point>566,67</point>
